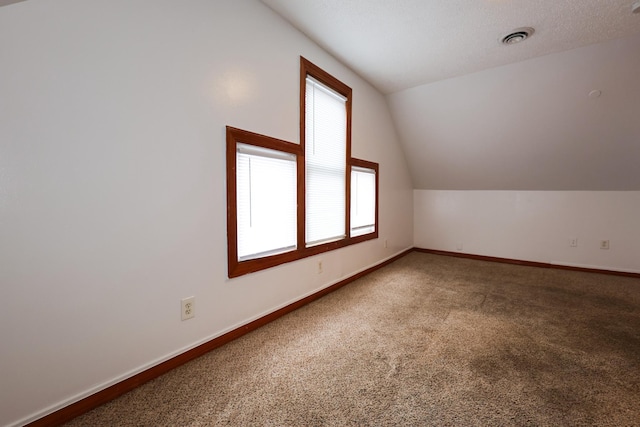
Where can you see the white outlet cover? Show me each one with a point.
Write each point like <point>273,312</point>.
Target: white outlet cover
<point>188,308</point>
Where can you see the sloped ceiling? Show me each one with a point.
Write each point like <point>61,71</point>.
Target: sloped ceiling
<point>529,125</point>
<point>8,2</point>
<point>474,114</point>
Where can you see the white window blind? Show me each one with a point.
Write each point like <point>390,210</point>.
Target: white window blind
<point>325,163</point>
<point>266,201</point>
<point>363,201</point>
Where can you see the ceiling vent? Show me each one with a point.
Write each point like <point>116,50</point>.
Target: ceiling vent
<point>518,35</point>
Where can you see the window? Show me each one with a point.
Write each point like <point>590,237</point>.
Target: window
<point>287,201</point>
<point>363,198</point>
<point>262,201</point>
<point>325,163</point>
<point>266,201</point>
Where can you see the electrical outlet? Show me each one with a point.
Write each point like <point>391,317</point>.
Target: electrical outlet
<point>386,243</point>
<point>188,308</point>
<point>320,267</point>
<point>604,244</point>
<point>573,242</point>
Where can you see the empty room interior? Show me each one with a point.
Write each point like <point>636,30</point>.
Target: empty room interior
<point>480,264</point>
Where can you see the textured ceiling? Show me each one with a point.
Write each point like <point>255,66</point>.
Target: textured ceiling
<point>530,125</point>
<point>473,114</point>
<point>400,44</point>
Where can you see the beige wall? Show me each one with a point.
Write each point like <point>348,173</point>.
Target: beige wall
<point>112,184</point>
<point>533,225</point>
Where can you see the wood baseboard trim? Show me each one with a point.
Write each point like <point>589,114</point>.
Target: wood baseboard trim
<point>527,263</point>
<point>82,406</point>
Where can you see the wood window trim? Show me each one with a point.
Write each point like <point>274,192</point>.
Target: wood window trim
<point>376,168</point>
<point>307,68</point>
<point>237,136</point>
<point>234,137</point>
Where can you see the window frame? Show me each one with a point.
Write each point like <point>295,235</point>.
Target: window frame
<point>375,167</point>
<point>235,136</point>
<point>308,69</point>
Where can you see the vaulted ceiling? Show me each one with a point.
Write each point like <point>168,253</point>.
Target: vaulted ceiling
<point>559,111</point>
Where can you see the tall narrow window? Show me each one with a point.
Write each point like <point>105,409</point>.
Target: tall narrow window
<point>363,201</point>
<point>266,201</point>
<point>325,163</point>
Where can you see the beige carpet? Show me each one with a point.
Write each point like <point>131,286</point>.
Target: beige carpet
<point>427,340</point>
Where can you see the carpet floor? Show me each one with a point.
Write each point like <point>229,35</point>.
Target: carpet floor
<point>425,341</point>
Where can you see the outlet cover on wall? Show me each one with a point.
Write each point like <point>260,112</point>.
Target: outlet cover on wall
<point>188,306</point>
<point>604,244</point>
<point>573,242</point>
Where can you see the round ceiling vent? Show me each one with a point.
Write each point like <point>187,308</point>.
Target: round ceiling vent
<point>518,35</point>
